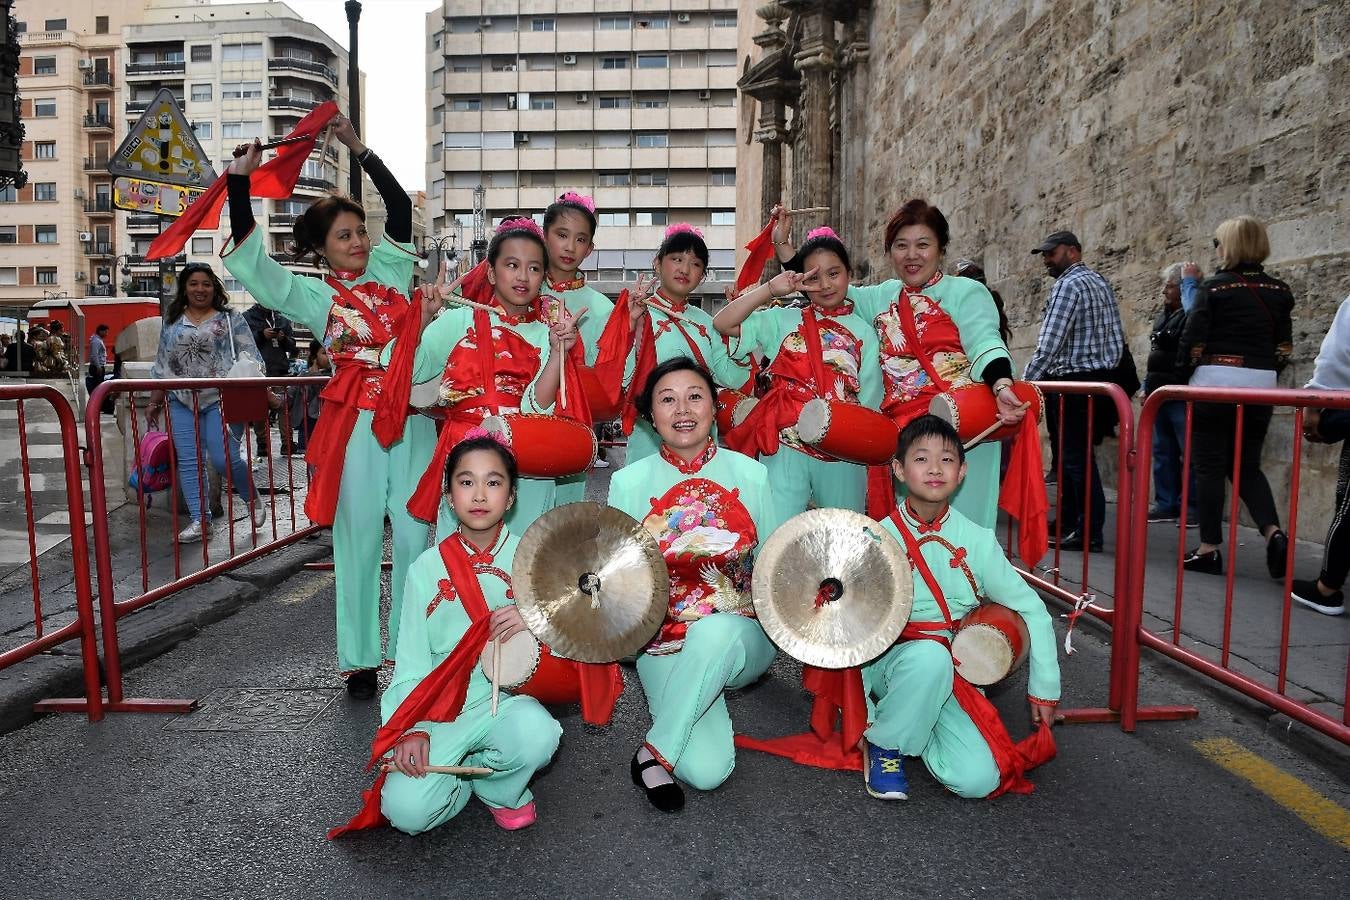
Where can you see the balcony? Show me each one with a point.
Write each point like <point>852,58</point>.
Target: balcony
<point>98,79</point>
<point>158,67</point>
<point>289,102</point>
<point>96,163</point>
<point>281,220</point>
<point>315,184</point>
<point>294,64</point>
<point>140,262</point>
<point>98,248</point>
<point>99,206</point>
<point>97,122</point>
<point>99,290</point>
<point>137,107</point>
<point>142,220</point>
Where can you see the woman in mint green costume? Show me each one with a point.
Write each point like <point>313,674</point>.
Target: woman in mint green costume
<point>955,323</point>
<point>836,360</point>
<point>708,509</point>
<point>357,308</point>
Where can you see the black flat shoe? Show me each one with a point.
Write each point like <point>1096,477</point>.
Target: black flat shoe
<point>665,797</point>
<point>1074,541</point>
<point>362,683</point>
<point>1277,554</point>
<point>1210,563</point>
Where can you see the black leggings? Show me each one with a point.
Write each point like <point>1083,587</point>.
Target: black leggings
<point>1212,447</point>
<point>1336,557</point>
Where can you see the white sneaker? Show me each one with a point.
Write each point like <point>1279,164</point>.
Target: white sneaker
<point>259,510</point>
<point>192,533</point>
<point>600,463</point>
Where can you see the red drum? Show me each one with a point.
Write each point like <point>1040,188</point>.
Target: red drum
<point>602,408</point>
<point>545,446</point>
<point>848,431</point>
<point>529,668</point>
<point>733,407</point>
<point>972,408</point>
<point>991,642</point>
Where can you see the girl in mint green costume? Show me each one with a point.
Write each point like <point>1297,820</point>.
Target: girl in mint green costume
<point>708,509</point>
<point>357,309</point>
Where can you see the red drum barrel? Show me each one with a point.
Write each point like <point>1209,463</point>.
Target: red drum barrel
<point>545,446</point>
<point>991,642</point>
<point>848,431</point>
<point>733,407</point>
<point>529,668</point>
<point>602,408</point>
<point>972,408</point>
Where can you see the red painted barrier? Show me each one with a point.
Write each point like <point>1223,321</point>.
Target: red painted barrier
<point>82,627</point>
<point>1224,668</point>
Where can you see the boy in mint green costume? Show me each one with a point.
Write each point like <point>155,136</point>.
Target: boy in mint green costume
<point>914,708</point>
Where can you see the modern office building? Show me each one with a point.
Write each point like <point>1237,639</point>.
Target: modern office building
<point>88,72</point>
<point>634,103</point>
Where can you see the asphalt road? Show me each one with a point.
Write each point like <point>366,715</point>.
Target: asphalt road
<point>235,800</point>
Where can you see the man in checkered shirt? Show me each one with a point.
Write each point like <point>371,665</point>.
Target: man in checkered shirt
<point>1081,339</point>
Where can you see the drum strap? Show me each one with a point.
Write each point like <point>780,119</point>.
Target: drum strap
<point>916,557</point>
<point>814,354</point>
<point>905,311</point>
<point>487,360</point>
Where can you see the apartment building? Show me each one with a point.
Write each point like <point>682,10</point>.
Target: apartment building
<point>634,103</point>
<point>87,73</point>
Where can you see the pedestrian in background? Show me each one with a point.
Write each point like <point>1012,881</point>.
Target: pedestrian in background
<point>1169,428</point>
<point>304,399</point>
<point>1240,334</point>
<point>275,338</point>
<point>6,341</point>
<point>98,359</point>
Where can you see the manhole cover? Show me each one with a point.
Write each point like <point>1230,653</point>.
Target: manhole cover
<point>256,709</point>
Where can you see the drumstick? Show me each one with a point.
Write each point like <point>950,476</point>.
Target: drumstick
<point>444,770</point>
<point>496,673</point>
<point>462,302</point>
<point>998,423</point>
<point>808,209</point>
<point>562,365</point>
<point>271,145</point>
<point>670,312</point>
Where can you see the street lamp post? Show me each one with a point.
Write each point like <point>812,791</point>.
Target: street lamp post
<point>445,247</point>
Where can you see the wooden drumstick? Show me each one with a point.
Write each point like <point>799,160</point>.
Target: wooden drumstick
<point>562,356</point>
<point>808,209</point>
<point>444,770</point>
<point>462,302</point>
<point>496,673</point>
<point>670,312</point>
<point>998,423</point>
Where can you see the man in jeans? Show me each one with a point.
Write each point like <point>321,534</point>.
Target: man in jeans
<point>275,337</point>
<point>1081,339</point>
<point>1169,428</point>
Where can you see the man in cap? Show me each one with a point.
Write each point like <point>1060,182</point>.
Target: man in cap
<point>1081,339</point>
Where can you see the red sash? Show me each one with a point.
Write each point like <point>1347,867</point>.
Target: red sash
<point>439,697</point>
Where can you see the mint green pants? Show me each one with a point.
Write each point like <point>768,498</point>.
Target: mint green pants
<point>375,483</point>
<point>796,479</point>
<point>691,727</point>
<point>515,745</point>
<point>916,713</point>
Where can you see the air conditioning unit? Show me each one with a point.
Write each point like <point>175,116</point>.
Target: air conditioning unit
<point>705,95</point>
<point>583,98</point>
<point>86,237</point>
<point>522,137</point>
<point>486,23</point>
<point>79,193</point>
<point>682,17</point>
<point>85,64</point>
<point>81,276</point>
<point>569,59</point>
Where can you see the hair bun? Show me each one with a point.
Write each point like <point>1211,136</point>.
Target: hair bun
<point>681,228</point>
<point>823,231</point>
<point>520,223</point>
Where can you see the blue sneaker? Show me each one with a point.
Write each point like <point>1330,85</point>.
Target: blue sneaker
<point>884,774</point>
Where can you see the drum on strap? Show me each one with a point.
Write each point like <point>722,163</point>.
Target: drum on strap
<point>972,408</point>
<point>848,431</point>
<point>732,408</point>
<point>529,668</point>
<point>991,642</point>
<point>545,446</point>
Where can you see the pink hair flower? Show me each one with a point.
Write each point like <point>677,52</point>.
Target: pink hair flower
<point>822,231</point>
<point>680,228</point>
<point>581,200</point>
<point>520,223</point>
<point>478,431</point>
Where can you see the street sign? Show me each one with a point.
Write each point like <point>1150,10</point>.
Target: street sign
<point>162,148</point>
<point>141,196</point>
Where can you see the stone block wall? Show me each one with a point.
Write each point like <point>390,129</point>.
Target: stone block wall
<point>1138,124</point>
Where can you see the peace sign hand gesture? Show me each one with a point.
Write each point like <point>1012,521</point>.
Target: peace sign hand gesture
<point>638,297</point>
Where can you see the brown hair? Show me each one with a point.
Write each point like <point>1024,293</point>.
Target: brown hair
<point>918,212</point>
<point>311,227</point>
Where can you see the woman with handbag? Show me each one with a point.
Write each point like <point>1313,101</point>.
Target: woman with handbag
<point>201,338</point>
<point>1238,334</point>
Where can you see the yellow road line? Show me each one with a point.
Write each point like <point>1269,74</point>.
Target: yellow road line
<point>1326,817</point>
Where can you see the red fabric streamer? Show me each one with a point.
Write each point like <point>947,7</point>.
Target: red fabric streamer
<point>761,251</point>
<point>613,347</point>
<point>838,699</point>
<point>328,443</point>
<point>396,391</point>
<point>1022,495</point>
<point>439,697</point>
<point>274,179</point>
<point>601,686</point>
<point>475,285</point>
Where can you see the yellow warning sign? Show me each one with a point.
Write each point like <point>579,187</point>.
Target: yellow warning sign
<point>151,197</point>
<point>162,148</point>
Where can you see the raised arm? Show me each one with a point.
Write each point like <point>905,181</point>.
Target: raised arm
<point>729,318</point>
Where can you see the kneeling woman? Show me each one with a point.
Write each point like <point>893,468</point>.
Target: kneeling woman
<point>436,711</point>
<point>708,509</point>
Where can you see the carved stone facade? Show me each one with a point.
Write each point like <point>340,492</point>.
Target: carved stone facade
<point>1138,125</point>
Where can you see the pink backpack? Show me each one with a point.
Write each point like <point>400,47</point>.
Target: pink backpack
<point>151,472</point>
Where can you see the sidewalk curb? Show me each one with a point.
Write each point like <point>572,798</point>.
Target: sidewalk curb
<point>153,631</point>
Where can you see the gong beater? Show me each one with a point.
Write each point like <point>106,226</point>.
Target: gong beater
<point>832,588</point>
<point>590,582</point>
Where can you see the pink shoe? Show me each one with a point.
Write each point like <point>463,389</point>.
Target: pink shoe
<point>514,819</point>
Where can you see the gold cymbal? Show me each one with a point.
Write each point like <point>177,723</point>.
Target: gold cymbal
<point>590,582</point>
<point>832,588</point>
